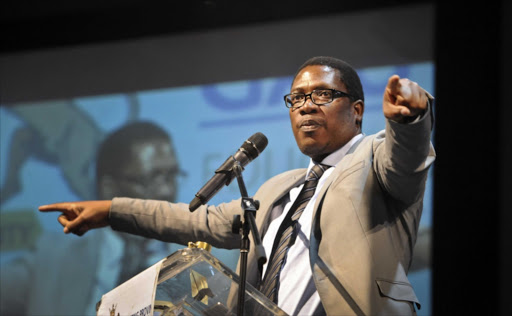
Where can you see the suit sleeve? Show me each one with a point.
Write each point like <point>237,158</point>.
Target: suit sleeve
<point>402,158</point>
<point>173,222</point>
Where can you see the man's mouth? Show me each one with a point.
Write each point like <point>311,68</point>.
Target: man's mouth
<point>309,125</point>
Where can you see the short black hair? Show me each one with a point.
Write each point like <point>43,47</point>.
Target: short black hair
<point>347,73</point>
<point>116,149</point>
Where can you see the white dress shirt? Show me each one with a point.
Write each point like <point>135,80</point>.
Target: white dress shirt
<point>297,292</point>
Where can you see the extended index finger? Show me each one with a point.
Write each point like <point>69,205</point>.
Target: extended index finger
<point>56,207</point>
<point>393,86</point>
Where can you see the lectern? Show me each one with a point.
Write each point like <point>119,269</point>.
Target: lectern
<point>190,281</point>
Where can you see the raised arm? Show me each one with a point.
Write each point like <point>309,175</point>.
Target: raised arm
<point>171,222</point>
<point>402,160</point>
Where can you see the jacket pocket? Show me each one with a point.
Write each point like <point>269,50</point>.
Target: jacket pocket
<point>399,291</point>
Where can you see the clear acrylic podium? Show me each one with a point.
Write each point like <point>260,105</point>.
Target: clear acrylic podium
<point>192,281</point>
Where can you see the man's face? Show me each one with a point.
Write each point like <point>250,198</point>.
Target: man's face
<point>150,173</point>
<point>322,129</point>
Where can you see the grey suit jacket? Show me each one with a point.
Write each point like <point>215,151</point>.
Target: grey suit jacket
<point>364,228</point>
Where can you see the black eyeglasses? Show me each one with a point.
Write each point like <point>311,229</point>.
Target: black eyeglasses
<point>318,97</point>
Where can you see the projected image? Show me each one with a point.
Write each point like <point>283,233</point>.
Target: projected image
<point>159,144</point>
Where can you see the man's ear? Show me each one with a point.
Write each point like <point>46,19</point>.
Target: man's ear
<point>107,187</point>
<point>358,111</point>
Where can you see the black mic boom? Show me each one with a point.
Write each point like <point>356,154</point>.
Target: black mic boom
<point>249,150</point>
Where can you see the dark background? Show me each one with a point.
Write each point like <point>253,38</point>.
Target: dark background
<point>472,201</point>
<point>42,24</point>
<point>472,241</point>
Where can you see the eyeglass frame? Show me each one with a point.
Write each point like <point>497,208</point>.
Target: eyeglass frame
<point>335,94</point>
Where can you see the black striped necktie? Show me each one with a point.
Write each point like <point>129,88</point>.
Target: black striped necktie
<point>287,233</point>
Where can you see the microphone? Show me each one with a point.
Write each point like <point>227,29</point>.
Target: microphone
<point>249,150</point>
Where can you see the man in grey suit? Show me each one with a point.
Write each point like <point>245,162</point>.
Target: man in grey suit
<point>354,239</point>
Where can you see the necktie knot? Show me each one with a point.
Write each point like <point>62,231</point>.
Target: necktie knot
<point>317,171</point>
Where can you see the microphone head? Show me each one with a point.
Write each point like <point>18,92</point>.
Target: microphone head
<point>249,150</point>
<point>254,145</point>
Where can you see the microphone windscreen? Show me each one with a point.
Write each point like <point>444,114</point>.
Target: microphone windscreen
<point>255,145</point>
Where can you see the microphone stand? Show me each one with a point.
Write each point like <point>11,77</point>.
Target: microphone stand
<point>250,207</point>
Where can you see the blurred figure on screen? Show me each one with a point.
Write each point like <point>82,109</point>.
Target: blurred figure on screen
<point>137,160</point>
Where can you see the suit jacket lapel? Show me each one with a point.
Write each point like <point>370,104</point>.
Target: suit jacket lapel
<point>284,188</point>
<point>345,167</point>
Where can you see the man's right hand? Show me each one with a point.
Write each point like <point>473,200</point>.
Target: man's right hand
<point>80,217</point>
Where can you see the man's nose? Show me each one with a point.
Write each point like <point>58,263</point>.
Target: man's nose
<point>309,106</point>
